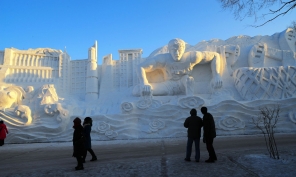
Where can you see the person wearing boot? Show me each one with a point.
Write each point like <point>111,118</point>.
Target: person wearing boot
<point>3,132</point>
<point>87,124</point>
<point>78,143</point>
<point>209,134</point>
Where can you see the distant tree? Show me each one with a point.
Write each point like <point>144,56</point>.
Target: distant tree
<point>251,8</point>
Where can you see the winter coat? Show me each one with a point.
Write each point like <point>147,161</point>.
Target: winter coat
<point>87,130</point>
<point>209,126</point>
<point>3,131</point>
<point>78,141</point>
<point>194,124</point>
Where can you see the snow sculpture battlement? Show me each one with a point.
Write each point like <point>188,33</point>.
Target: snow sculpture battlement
<point>123,70</point>
<point>35,67</point>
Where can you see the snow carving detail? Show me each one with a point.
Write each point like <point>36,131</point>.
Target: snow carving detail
<point>156,125</point>
<point>190,102</point>
<point>292,116</point>
<point>111,134</point>
<point>266,83</point>
<point>144,103</point>
<point>231,123</point>
<point>24,111</point>
<point>56,109</point>
<point>104,128</point>
<point>127,106</point>
<point>155,104</point>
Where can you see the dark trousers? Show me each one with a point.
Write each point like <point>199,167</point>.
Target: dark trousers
<point>1,142</point>
<point>93,155</point>
<point>210,148</point>
<point>189,148</point>
<point>79,161</point>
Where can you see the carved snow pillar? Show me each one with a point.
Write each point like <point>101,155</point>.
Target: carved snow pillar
<point>92,82</point>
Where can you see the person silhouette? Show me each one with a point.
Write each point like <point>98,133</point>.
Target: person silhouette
<point>194,124</point>
<point>78,143</point>
<point>87,124</point>
<point>209,134</point>
<point>3,132</point>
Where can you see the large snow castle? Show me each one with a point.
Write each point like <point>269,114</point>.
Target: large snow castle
<point>43,90</point>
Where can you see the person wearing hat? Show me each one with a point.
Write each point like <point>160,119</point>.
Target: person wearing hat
<point>87,124</point>
<point>78,143</point>
<point>3,132</point>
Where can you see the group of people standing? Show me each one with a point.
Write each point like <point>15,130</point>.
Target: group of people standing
<point>194,124</point>
<point>82,141</point>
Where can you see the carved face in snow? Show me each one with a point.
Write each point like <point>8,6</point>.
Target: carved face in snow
<point>176,48</point>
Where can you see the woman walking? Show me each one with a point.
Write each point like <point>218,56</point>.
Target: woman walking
<point>87,124</point>
<point>3,132</point>
<point>78,143</point>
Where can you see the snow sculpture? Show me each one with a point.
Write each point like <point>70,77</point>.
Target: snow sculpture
<point>156,125</point>
<point>230,123</point>
<point>136,97</point>
<point>58,110</point>
<point>92,84</point>
<point>104,128</point>
<point>287,40</point>
<point>190,102</point>
<point>177,67</point>
<point>292,116</point>
<point>24,112</point>
<point>48,95</point>
<point>10,96</point>
<point>127,107</point>
<point>266,83</point>
<point>260,56</point>
<point>17,113</point>
<point>271,74</point>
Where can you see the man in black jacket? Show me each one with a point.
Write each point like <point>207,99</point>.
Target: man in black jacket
<point>194,124</point>
<point>209,134</point>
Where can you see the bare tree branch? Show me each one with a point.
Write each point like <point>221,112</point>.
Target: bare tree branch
<point>283,13</point>
<point>266,122</point>
<point>251,8</point>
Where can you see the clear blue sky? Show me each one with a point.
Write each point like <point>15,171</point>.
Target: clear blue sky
<point>120,24</point>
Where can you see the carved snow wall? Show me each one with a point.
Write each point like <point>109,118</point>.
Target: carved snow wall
<point>259,72</point>
<point>266,83</point>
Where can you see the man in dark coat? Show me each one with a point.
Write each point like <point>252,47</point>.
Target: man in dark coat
<point>194,124</point>
<point>209,134</point>
<point>78,143</point>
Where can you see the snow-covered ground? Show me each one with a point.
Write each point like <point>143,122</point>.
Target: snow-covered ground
<point>237,156</point>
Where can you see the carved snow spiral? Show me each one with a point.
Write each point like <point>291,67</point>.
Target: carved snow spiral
<point>144,103</point>
<point>111,134</point>
<point>156,125</point>
<point>231,123</point>
<point>127,106</point>
<point>103,127</point>
<point>191,102</point>
<point>292,116</point>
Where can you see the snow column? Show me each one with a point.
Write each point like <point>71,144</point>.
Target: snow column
<point>92,83</point>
